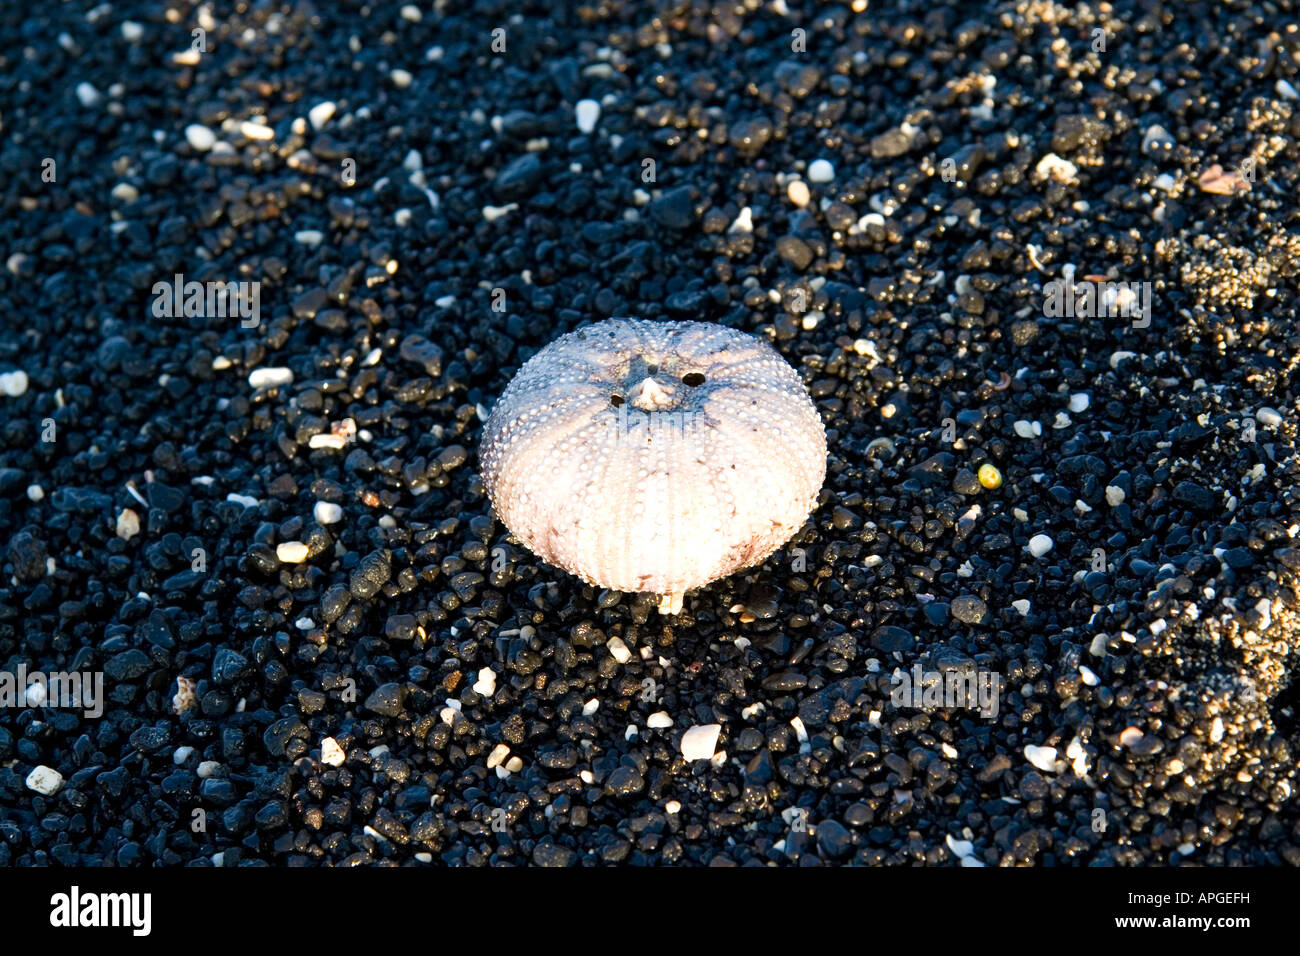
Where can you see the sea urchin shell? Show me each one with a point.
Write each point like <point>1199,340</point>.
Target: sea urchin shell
<point>654,456</point>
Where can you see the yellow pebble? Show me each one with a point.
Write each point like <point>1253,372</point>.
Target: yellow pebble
<point>989,476</point>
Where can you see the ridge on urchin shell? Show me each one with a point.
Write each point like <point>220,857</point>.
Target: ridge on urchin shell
<point>652,456</point>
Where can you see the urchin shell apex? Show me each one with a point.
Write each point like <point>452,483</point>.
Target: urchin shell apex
<point>650,456</point>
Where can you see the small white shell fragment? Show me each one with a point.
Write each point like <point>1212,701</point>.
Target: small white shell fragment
<point>270,377</point>
<point>308,237</point>
<point>590,707</point>
<point>291,552</point>
<point>48,781</point>
<point>1044,758</point>
<point>960,848</point>
<point>700,741</point>
<point>209,768</point>
<point>498,756</point>
<point>798,192</point>
<point>1026,429</point>
<point>1039,545</point>
<point>486,685</point>
<point>1130,735</point>
<point>128,524</point>
<point>586,113</point>
<point>331,753</point>
<point>1022,606</point>
<point>327,440</point>
<point>659,720</point>
<point>1079,402</point>
<point>1114,496</point>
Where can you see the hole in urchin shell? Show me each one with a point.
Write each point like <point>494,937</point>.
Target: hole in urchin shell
<point>616,400</point>
<point>693,379</point>
<point>652,369</point>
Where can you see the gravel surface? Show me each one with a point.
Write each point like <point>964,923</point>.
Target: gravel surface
<point>267,531</point>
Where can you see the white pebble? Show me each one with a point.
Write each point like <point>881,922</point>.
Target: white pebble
<point>260,131</point>
<point>308,237</point>
<point>1269,417</point>
<point>1040,544</point>
<point>291,552</point>
<point>1079,402</point>
<point>128,524</point>
<point>13,384</point>
<point>1089,676</point>
<point>331,753</point>
<point>88,95</point>
<point>498,756</point>
<point>960,848</point>
<point>586,112</point>
<point>321,113</point>
<point>1022,606</point>
<point>326,512</point>
<point>493,213</point>
<point>1114,496</point>
<point>248,501</point>
<point>486,685</point>
<point>327,440</point>
<point>700,741</point>
<point>200,137</point>
<point>798,192</point>
<point>270,377</point>
<point>131,31</point>
<point>207,769</point>
<point>1044,758</point>
<point>820,171</point>
<point>659,720</point>
<point>411,12</point>
<point>618,650</point>
<point>673,807</point>
<point>1055,167</point>
<point>182,754</point>
<point>35,493</point>
<point>1027,429</point>
<point>45,780</point>
<point>590,707</point>
<point>401,78</point>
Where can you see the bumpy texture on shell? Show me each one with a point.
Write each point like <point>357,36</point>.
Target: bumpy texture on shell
<point>654,456</point>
